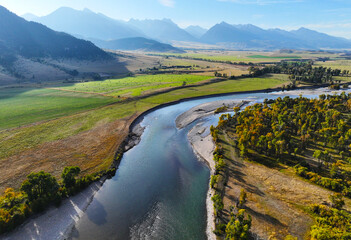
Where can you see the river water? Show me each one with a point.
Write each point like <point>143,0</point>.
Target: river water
<point>159,190</point>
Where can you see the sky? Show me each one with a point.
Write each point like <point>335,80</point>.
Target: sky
<point>328,16</point>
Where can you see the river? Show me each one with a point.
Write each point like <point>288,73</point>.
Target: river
<point>159,190</point>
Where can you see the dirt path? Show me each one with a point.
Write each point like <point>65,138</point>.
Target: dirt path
<point>276,198</point>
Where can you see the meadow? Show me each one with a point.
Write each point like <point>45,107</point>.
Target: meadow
<point>20,106</point>
<point>135,86</point>
<point>233,56</point>
<point>337,64</point>
<point>89,139</point>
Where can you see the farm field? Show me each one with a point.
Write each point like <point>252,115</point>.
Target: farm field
<point>251,56</point>
<point>134,86</point>
<point>19,106</point>
<point>89,139</point>
<point>337,64</point>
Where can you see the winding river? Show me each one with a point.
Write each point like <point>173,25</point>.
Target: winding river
<point>159,191</point>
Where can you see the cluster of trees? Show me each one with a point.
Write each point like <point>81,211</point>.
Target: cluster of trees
<point>283,130</point>
<point>238,227</point>
<point>40,190</point>
<point>330,223</point>
<point>239,224</point>
<point>300,71</point>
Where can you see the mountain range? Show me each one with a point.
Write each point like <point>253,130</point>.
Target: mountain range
<point>89,25</point>
<point>31,39</point>
<point>30,51</point>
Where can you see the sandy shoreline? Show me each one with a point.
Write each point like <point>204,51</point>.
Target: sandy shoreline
<point>206,109</point>
<point>204,147</point>
<point>56,223</point>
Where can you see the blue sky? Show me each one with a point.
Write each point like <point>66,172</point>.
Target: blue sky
<point>329,16</point>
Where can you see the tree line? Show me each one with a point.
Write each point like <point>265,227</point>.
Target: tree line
<point>300,71</point>
<point>39,191</point>
<point>286,129</point>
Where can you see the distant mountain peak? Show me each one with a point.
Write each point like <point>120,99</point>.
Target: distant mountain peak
<point>87,10</point>
<point>29,16</point>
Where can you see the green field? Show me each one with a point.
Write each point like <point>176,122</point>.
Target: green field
<point>337,64</point>
<point>20,106</point>
<point>135,86</point>
<point>274,57</point>
<point>244,57</point>
<point>17,140</point>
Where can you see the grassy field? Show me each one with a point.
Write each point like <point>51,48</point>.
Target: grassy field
<point>274,57</point>
<point>135,86</point>
<point>337,64</point>
<point>65,127</point>
<point>89,139</point>
<point>234,57</point>
<point>19,106</point>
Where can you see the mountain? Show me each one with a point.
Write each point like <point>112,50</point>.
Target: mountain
<point>30,39</point>
<point>321,40</point>
<point>227,33</point>
<point>196,31</point>
<point>31,52</point>
<point>163,30</point>
<point>248,36</point>
<point>29,16</point>
<point>88,24</point>
<point>137,43</point>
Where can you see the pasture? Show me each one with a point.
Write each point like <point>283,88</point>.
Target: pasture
<point>20,106</point>
<point>134,86</point>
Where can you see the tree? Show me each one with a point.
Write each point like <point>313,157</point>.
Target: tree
<point>69,175</point>
<point>337,201</point>
<point>40,185</point>
<point>238,227</point>
<point>242,198</point>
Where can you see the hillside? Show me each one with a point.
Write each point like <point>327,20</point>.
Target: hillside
<point>137,44</point>
<point>30,39</point>
<point>31,52</point>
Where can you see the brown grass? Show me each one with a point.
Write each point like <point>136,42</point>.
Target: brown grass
<point>90,150</point>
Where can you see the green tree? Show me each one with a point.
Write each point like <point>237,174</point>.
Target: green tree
<point>337,200</point>
<point>238,227</point>
<point>242,198</point>
<point>69,175</point>
<point>40,185</point>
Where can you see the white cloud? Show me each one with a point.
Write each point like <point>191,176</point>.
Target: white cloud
<point>167,3</point>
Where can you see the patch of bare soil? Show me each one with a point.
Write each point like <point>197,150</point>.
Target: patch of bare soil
<point>277,199</point>
<point>91,150</point>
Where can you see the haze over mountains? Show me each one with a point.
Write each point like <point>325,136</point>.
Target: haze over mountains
<point>96,26</point>
<point>30,39</point>
<point>30,51</point>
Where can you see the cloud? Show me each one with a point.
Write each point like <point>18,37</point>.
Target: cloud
<point>167,3</point>
<point>262,2</point>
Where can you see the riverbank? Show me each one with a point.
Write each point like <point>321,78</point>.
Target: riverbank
<point>204,147</point>
<point>129,125</point>
<point>56,223</point>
